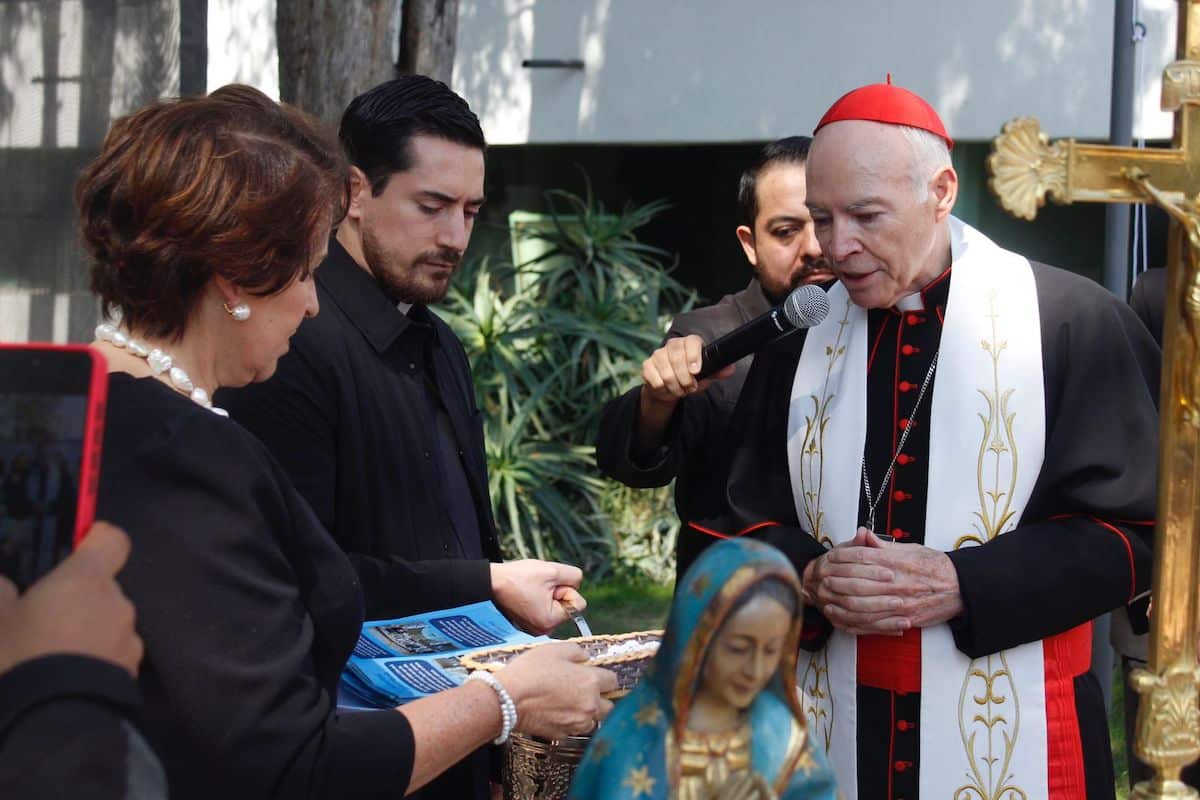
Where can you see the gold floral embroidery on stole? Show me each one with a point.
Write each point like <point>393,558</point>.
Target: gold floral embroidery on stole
<point>995,504</point>
<point>989,711</point>
<point>817,694</point>
<point>812,458</point>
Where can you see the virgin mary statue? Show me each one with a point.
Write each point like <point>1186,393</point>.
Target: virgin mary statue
<point>718,713</point>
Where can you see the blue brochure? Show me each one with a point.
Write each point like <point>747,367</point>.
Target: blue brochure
<point>398,660</point>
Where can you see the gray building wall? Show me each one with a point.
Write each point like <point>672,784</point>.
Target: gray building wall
<point>67,69</point>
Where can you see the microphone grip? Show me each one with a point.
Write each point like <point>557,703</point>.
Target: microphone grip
<point>741,342</point>
<point>714,358</point>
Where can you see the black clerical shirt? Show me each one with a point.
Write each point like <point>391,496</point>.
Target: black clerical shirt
<point>372,414</point>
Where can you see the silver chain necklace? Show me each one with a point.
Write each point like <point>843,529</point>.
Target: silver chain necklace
<point>887,476</point>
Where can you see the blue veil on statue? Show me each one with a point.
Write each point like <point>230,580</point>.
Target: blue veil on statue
<point>641,750</point>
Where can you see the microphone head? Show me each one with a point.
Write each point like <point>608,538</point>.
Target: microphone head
<point>806,306</point>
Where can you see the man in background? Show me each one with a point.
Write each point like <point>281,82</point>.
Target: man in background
<point>637,443</point>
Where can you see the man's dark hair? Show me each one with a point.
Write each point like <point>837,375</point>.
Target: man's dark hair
<point>378,125</point>
<point>791,150</point>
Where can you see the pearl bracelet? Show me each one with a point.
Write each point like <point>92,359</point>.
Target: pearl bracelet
<point>508,709</point>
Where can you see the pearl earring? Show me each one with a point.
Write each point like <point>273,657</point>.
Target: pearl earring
<point>240,312</point>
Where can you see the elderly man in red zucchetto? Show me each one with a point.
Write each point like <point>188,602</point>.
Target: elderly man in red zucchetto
<point>961,463</point>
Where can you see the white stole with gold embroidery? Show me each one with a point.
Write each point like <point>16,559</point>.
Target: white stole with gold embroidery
<point>983,722</point>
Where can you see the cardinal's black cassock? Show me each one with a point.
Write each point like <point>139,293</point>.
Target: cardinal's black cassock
<point>1029,399</point>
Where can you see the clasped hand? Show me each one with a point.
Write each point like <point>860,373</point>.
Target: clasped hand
<point>868,586</point>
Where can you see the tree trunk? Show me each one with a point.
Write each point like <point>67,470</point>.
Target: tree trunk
<point>427,37</point>
<point>332,50</point>
<point>193,47</point>
<point>51,36</point>
<point>96,77</point>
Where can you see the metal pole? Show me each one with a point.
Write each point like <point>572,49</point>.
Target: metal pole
<point>193,47</point>
<point>1116,260</point>
<point>1120,132</point>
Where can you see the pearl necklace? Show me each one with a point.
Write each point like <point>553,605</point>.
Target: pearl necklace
<point>159,362</point>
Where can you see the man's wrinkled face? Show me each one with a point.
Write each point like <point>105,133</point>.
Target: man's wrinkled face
<point>783,248</point>
<point>415,232</point>
<point>874,227</point>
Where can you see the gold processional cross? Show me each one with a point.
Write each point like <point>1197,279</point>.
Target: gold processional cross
<point>1025,167</point>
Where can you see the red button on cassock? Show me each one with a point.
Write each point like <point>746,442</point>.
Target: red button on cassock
<point>900,533</point>
<point>901,497</point>
<point>908,349</point>
<point>905,386</point>
<point>914,319</point>
<point>904,459</point>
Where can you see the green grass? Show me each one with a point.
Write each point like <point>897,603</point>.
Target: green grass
<point>1116,733</point>
<point>620,605</point>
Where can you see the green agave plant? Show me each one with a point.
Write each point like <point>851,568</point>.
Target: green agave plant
<point>550,341</point>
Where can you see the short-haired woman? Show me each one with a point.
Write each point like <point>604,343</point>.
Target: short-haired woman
<point>205,218</point>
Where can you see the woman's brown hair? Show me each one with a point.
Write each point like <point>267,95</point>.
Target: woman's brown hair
<point>232,184</point>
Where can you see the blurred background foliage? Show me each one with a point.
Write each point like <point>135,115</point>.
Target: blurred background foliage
<point>550,341</point>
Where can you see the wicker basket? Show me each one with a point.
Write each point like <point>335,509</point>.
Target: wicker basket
<point>537,769</point>
<point>627,666</point>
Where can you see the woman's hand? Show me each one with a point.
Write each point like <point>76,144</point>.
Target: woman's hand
<point>556,692</point>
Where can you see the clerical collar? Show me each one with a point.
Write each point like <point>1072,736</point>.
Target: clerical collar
<point>933,295</point>
<point>404,307</point>
<point>360,297</point>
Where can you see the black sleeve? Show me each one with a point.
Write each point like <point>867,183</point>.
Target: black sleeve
<point>690,426</point>
<point>399,588</point>
<point>65,732</point>
<point>1139,303</point>
<point>231,679</point>
<point>295,415</point>
<point>1084,544</point>
<point>758,494</point>
<point>616,454</point>
<point>1148,301</point>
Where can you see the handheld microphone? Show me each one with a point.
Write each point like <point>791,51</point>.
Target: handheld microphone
<point>805,307</point>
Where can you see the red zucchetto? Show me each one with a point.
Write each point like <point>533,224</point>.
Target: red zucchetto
<point>883,102</point>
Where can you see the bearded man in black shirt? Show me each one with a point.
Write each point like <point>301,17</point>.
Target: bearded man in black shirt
<point>653,433</point>
<point>373,413</point>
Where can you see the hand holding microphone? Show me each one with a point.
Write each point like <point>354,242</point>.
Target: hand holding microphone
<point>686,365</point>
<point>805,307</point>
<point>671,372</point>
